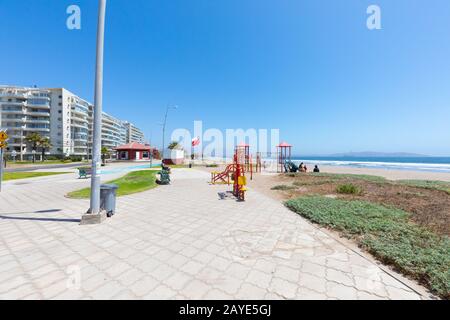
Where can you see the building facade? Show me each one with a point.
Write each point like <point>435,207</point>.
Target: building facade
<point>114,132</point>
<point>134,151</point>
<point>134,134</point>
<point>59,115</point>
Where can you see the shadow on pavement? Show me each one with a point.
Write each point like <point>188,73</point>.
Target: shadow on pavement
<point>41,219</point>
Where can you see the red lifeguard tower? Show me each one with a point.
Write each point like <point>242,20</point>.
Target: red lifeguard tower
<point>284,152</point>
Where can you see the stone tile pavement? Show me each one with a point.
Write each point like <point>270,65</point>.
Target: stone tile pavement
<point>176,242</point>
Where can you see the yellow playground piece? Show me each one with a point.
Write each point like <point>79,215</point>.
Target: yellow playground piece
<point>242,187</point>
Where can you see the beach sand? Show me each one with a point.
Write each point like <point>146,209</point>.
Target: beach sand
<point>267,179</point>
<point>388,174</point>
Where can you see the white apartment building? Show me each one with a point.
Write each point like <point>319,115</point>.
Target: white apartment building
<point>69,123</point>
<point>114,132</point>
<point>23,111</point>
<point>134,134</point>
<point>58,114</point>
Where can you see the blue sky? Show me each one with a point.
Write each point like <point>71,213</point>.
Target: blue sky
<point>308,67</point>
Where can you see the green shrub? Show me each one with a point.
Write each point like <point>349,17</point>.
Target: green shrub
<point>283,187</point>
<point>213,165</point>
<point>348,189</point>
<point>291,174</point>
<point>53,158</point>
<point>312,183</point>
<point>388,234</point>
<point>75,158</point>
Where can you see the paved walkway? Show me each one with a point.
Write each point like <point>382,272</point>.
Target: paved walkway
<point>175,241</point>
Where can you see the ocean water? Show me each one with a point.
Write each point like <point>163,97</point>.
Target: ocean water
<point>428,164</point>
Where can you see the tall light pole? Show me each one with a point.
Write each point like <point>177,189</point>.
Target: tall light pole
<point>164,127</point>
<point>97,125</point>
<point>150,155</point>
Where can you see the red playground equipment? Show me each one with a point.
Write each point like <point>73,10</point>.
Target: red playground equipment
<point>239,179</point>
<point>245,149</point>
<point>236,172</point>
<point>244,159</point>
<point>284,150</point>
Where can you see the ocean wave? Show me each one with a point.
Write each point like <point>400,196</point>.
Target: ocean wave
<point>429,167</point>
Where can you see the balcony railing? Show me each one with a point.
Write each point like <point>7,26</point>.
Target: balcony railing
<point>47,121</point>
<point>37,113</point>
<point>13,94</point>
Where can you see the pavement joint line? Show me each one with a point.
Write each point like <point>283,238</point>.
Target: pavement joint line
<point>195,228</point>
<point>380,266</point>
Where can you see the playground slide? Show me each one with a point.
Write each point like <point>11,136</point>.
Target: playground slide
<point>223,176</point>
<point>289,166</point>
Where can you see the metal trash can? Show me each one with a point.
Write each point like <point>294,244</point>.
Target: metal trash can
<point>108,198</point>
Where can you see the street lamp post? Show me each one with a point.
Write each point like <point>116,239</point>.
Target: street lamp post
<point>94,215</point>
<point>164,127</point>
<point>151,151</point>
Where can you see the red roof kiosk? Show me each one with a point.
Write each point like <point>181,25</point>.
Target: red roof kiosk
<point>133,151</point>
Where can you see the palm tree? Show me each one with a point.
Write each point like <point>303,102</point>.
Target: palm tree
<point>174,145</point>
<point>34,139</point>
<point>44,144</point>
<point>104,153</point>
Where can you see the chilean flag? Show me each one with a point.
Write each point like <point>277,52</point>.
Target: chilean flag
<point>195,141</point>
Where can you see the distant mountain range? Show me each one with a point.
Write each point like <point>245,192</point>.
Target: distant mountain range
<point>373,154</point>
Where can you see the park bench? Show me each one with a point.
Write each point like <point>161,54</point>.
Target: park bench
<point>164,177</point>
<point>165,168</point>
<point>84,172</point>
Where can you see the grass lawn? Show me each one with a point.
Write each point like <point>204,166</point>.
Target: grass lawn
<point>388,234</point>
<point>25,175</point>
<point>133,182</point>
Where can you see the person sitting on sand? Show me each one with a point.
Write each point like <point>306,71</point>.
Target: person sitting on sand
<point>305,168</point>
<point>302,167</point>
<point>316,169</point>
